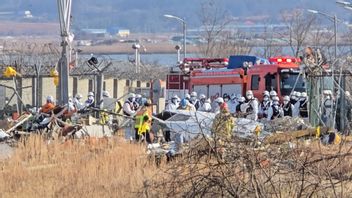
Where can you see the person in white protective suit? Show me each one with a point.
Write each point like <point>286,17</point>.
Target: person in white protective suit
<point>77,102</point>
<point>264,105</point>
<point>174,104</point>
<point>328,104</point>
<point>272,94</point>
<point>187,97</point>
<point>106,95</point>
<point>90,101</point>
<point>194,100</point>
<point>129,110</point>
<point>205,104</point>
<point>275,111</point>
<point>287,106</point>
<point>296,105</point>
<point>232,104</point>
<point>219,101</point>
<point>303,106</point>
<point>128,106</point>
<point>251,106</point>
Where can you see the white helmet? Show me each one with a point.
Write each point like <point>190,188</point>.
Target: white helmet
<point>202,96</point>
<point>187,96</point>
<point>194,94</point>
<point>219,100</point>
<point>50,99</point>
<point>347,93</point>
<point>131,95</point>
<point>138,96</point>
<point>293,94</point>
<point>106,94</point>
<point>174,97</point>
<point>275,98</point>
<point>266,93</point>
<point>78,96</point>
<point>304,95</point>
<point>242,99</point>
<point>286,98</point>
<point>273,93</point>
<point>298,94</point>
<point>90,94</point>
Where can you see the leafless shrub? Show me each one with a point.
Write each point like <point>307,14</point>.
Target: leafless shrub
<point>240,169</point>
<point>299,25</point>
<point>220,40</point>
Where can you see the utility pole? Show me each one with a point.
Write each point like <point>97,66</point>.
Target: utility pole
<point>318,80</point>
<point>64,8</point>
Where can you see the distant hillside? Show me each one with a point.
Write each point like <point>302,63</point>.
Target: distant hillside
<point>146,15</point>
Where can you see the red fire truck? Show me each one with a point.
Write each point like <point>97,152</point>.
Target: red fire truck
<point>281,75</point>
<point>177,82</point>
<point>213,78</point>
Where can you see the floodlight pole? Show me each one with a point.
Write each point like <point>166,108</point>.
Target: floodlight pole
<point>184,28</point>
<point>64,9</point>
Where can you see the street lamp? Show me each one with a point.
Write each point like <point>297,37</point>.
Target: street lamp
<point>184,30</point>
<point>333,19</point>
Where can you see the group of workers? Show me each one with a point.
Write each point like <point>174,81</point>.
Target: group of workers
<point>135,107</point>
<point>249,107</point>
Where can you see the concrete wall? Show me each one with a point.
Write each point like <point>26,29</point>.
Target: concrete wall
<point>48,88</point>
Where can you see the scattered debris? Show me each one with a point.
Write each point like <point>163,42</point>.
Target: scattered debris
<point>285,124</point>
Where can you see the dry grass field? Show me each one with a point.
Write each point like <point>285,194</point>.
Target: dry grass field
<point>115,168</point>
<point>90,168</point>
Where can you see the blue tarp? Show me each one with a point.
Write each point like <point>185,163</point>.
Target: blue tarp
<point>238,60</point>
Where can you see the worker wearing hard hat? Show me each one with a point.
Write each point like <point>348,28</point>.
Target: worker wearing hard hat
<point>194,100</point>
<point>275,111</point>
<point>303,106</point>
<point>186,105</point>
<point>218,101</point>
<point>264,105</point>
<point>296,105</point>
<point>77,102</point>
<point>187,97</point>
<point>272,94</point>
<point>128,107</point>
<point>240,105</point>
<point>232,104</point>
<point>143,121</point>
<point>328,104</point>
<point>223,124</point>
<point>251,106</point>
<point>139,101</point>
<point>287,106</point>
<point>106,95</point>
<point>174,104</point>
<point>49,105</point>
<point>205,104</point>
<point>90,101</point>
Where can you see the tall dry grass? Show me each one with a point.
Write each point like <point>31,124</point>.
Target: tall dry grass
<point>89,168</point>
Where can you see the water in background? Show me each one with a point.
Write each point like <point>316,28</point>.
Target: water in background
<point>170,59</point>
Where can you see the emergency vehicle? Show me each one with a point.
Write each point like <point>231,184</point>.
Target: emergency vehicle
<point>278,73</point>
<point>177,82</point>
<point>281,75</point>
